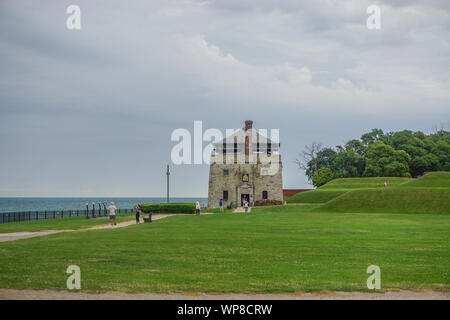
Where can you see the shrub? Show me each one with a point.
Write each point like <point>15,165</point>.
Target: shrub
<point>168,208</point>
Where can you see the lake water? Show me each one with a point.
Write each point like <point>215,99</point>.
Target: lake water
<point>42,204</point>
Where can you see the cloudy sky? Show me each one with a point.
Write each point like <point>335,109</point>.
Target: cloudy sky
<point>90,112</point>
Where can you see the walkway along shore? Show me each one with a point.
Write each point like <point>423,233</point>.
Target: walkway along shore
<point>11,236</point>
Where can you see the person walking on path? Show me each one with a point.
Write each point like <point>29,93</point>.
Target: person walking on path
<point>137,209</point>
<point>246,205</point>
<point>221,205</point>
<point>112,213</point>
<point>197,208</point>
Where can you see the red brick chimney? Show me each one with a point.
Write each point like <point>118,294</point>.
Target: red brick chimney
<point>247,146</point>
<point>248,126</point>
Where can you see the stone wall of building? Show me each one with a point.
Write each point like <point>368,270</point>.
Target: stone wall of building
<point>229,177</point>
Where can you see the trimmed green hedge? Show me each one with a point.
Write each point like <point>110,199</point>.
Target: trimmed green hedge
<point>168,208</point>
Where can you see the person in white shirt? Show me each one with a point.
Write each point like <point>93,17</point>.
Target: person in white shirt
<point>112,213</point>
<point>197,208</point>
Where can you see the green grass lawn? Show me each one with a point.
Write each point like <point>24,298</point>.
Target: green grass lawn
<point>275,249</point>
<point>325,242</point>
<point>73,223</point>
<point>315,196</point>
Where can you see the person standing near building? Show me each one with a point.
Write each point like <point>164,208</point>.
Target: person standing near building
<point>221,205</point>
<point>112,213</point>
<point>197,208</point>
<point>137,209</point>
<point>246,205</point>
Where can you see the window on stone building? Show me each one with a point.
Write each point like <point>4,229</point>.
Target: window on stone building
<point>264,194</point>
<point>225,195</point>
<point>225,172</point>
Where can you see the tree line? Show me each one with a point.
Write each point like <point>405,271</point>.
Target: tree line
<point>378,154</point>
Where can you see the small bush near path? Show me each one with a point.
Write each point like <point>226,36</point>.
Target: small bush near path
<point>168,208</point>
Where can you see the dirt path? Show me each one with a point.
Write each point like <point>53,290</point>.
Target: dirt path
<point>241,209</point>
<point>10,236</point>
<point>12,294</point>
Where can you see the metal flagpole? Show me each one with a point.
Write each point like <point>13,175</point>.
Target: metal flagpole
<point>168,174</point>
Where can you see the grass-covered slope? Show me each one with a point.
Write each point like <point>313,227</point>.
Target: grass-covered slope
<point>358,183</point>
<point>395,200</point>
<point>315,196</point>
<point>428,194</point>
<point>431,180</point>
<point>338,187</point>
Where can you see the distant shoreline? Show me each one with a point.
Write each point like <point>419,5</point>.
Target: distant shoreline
<point>21,204</point>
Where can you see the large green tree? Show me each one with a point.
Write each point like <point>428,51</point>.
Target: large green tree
<point>348,164</point>
<point>384,160</point>
<point>322,176</point>
<point>404,153</point>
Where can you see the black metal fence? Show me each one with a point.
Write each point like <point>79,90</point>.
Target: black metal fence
<point>7,217</point>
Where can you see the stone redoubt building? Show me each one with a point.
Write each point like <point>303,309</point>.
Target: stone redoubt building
<point>246,165</point>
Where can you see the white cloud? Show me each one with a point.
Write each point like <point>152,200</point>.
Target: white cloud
<point>376,88</point>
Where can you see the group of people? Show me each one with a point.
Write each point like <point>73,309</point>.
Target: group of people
<point>112,210</point>
<point>245,204</point>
